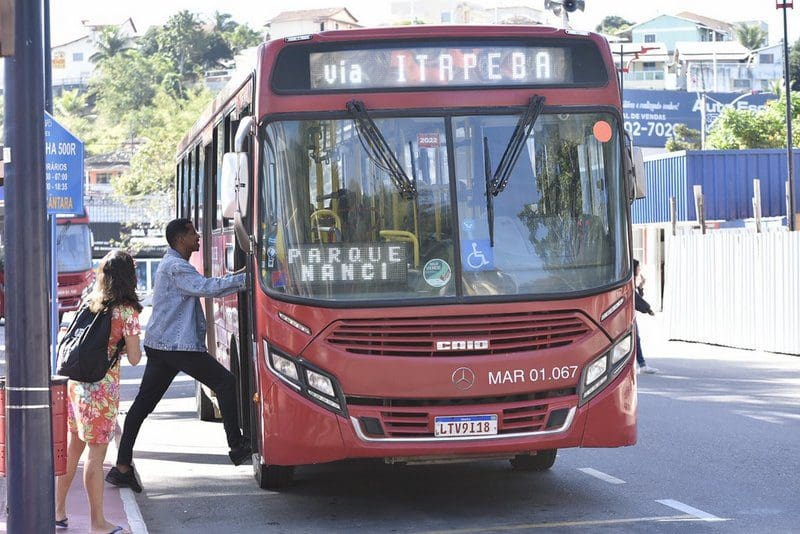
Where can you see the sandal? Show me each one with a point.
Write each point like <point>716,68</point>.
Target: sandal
<point>62,523</point>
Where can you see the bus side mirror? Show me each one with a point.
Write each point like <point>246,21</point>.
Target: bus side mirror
<point>637,166</point>
<point>235,184</point>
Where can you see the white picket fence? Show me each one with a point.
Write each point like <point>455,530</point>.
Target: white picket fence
<point>736,289</point>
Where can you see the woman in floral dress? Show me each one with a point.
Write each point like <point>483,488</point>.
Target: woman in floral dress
<point>93,406</point>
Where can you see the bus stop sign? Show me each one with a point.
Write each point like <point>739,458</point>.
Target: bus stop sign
<point>63,169</point>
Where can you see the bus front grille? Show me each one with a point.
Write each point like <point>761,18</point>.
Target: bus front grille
<point>467,335</point>
<point>406,419</point>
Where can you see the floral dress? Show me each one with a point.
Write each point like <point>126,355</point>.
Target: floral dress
<point>93,406</point>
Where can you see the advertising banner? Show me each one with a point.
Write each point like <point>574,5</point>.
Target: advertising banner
<point>651,116</point>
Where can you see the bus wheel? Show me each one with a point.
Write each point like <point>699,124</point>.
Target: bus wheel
<point>205,408</point>
<point>541,461</point>
<point>272,477</point>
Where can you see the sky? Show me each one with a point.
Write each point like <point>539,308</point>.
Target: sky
<point>68,14</point>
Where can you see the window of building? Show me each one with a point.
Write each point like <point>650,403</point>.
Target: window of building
<point>649,38</point>
<point>741,84</point>
<point>766,58</point>
<point>322,26</point>
<point>649,65</point>
<point>103,178</point>
<point>77,56</point>
<point>446,17</point>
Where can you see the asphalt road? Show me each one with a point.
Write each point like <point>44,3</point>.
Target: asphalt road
<point>718,435</point>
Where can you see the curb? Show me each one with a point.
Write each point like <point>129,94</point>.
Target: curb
<point>132,512</point>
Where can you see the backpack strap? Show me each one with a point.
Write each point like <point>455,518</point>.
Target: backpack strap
<point>120,343</point>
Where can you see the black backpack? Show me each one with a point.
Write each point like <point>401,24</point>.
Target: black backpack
<point>83,351</point>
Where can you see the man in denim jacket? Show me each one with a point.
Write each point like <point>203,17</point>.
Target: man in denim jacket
<point>175,340</point>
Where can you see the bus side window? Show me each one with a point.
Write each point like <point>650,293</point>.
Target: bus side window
<point>202,161</point>
<point>186,191</point>
<point>219,147</point>
<point>179,186</point>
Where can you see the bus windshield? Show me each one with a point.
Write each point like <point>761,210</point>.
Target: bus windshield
<point>73,248</point>
<point>337,224</point>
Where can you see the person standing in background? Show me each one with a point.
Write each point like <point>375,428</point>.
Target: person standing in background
<point>642,306</point>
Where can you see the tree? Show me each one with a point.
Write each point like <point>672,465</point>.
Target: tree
<point>751,37</point>
<point>794,66</point>
<point>742,129</point>
<point>73,111</point>
<point>109,43</point>
<point>71,103</point>
<point>242,37</point>
<point>223,22</point>
<point>612,25</point>
<point>183,40</point>
<point>153,166</point>
<point>126,85</point>
<point>684,138</point>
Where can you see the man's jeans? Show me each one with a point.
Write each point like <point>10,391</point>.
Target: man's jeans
<point>162,366</point>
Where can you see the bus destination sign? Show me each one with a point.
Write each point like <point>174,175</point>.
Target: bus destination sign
<point>335,263</point>
<point>434,66</point>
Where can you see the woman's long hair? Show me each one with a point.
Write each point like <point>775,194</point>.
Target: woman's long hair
<point>115,284</point>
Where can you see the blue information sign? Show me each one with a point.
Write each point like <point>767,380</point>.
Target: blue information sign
<point>651,116</point>
<point>63,169</point>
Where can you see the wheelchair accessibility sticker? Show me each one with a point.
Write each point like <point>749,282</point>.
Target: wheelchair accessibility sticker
<point>477,255</point>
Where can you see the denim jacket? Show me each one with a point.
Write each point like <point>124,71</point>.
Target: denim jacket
<point>178,321</point>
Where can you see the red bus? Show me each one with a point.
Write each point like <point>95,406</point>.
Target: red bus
<point>437,225</point>
<point>74,257</point>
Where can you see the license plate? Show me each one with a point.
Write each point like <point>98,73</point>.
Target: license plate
<point>465,425</point>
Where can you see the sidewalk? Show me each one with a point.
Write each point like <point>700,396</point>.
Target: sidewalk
<point>119,504</point>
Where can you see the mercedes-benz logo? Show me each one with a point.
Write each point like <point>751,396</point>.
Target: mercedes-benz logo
<point>463,378</point>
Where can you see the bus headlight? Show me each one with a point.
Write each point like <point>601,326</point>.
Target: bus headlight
<point>596,370</point>
<point>621,350</point>
<point>604,368</point>
<point>308,380</point>
<point>319,382</point>
<point>284,366</point>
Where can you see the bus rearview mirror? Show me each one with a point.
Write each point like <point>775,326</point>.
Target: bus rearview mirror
<point>639,181</point>
<point>235,184</point>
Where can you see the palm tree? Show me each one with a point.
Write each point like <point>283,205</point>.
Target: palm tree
<point>223,22</point>
<point>109,43</point>
<point>751,37</point>
<point>70,103</point>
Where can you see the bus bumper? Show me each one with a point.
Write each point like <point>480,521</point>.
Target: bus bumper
<point>297,431</point>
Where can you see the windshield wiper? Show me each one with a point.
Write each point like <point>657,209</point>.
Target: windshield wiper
<point>63,232</point>
<point>378,149</point>
<point>516,144</point>
<point>487,173</point>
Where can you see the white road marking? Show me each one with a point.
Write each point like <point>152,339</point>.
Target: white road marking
<point>705,516</point>
<point>775,417</point>
<point>132,512</point>
<point>764,418</point>
<point>602,476</point>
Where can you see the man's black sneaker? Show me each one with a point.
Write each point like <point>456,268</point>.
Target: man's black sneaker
<point>240,454</point>
<point>124,480</point>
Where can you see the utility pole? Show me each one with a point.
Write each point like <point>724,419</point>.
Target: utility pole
<point>29,440</point>
<point>48,67</point>
<point>787,4</point>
